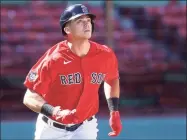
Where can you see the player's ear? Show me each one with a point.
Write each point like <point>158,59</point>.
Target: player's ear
<point>67,29</point>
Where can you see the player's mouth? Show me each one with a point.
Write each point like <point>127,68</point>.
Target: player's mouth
<point>88,30</point>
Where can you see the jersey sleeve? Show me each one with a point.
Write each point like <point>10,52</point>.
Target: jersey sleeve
<point>112,67</point>
<point>39,77</point>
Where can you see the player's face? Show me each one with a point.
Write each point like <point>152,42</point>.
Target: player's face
<point>81,27</point>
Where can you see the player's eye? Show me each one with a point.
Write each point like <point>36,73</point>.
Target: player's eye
<point>89,20</point>
<point>82,20</point>
<point>79,20</point>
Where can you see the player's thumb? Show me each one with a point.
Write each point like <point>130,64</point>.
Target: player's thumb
<point>73,111</point>
<point>58,107</point>
<point>56,111</point>
<point>112,134</point>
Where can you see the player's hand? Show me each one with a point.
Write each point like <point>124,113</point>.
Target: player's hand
<point>66,116</point>
<point>115,123</point>
<point>56,111</point>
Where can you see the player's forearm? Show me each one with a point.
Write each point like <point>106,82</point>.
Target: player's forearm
<point>112,93</point>
<point>33,101</point>
<point>112,89</point>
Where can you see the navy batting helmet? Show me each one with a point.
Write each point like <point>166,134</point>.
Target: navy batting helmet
<point>72,12</point>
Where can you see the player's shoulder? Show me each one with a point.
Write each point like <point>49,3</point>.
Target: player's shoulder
<point>58,47</point>
<point>101,47</point>
<point>56,50</point>
<point>51,56</point>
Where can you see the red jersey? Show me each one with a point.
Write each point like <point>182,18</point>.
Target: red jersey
<point>64,79</point>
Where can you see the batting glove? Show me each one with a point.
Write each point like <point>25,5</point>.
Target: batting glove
<point>115,123</point>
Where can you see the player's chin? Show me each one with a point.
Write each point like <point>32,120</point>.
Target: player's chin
<point>86,36</point>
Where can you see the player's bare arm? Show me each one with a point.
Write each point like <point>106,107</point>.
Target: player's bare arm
<point>36,103</point>
<point>112,93</point>
<point>33,101</point>
<point>111,88</point>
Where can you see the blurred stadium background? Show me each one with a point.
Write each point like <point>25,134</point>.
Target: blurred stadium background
<point>149,39</point>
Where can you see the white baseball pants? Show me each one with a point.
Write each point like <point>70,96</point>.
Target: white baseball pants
<point>88,130</point>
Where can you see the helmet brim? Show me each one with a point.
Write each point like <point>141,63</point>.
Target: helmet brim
<point>79,15</point>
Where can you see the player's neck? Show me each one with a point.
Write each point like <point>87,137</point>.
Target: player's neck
<point>79,47</point>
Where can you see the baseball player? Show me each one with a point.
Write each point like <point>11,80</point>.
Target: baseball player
<point>62,87</point>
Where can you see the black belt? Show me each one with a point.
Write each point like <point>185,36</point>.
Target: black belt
<point>61,126</point>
